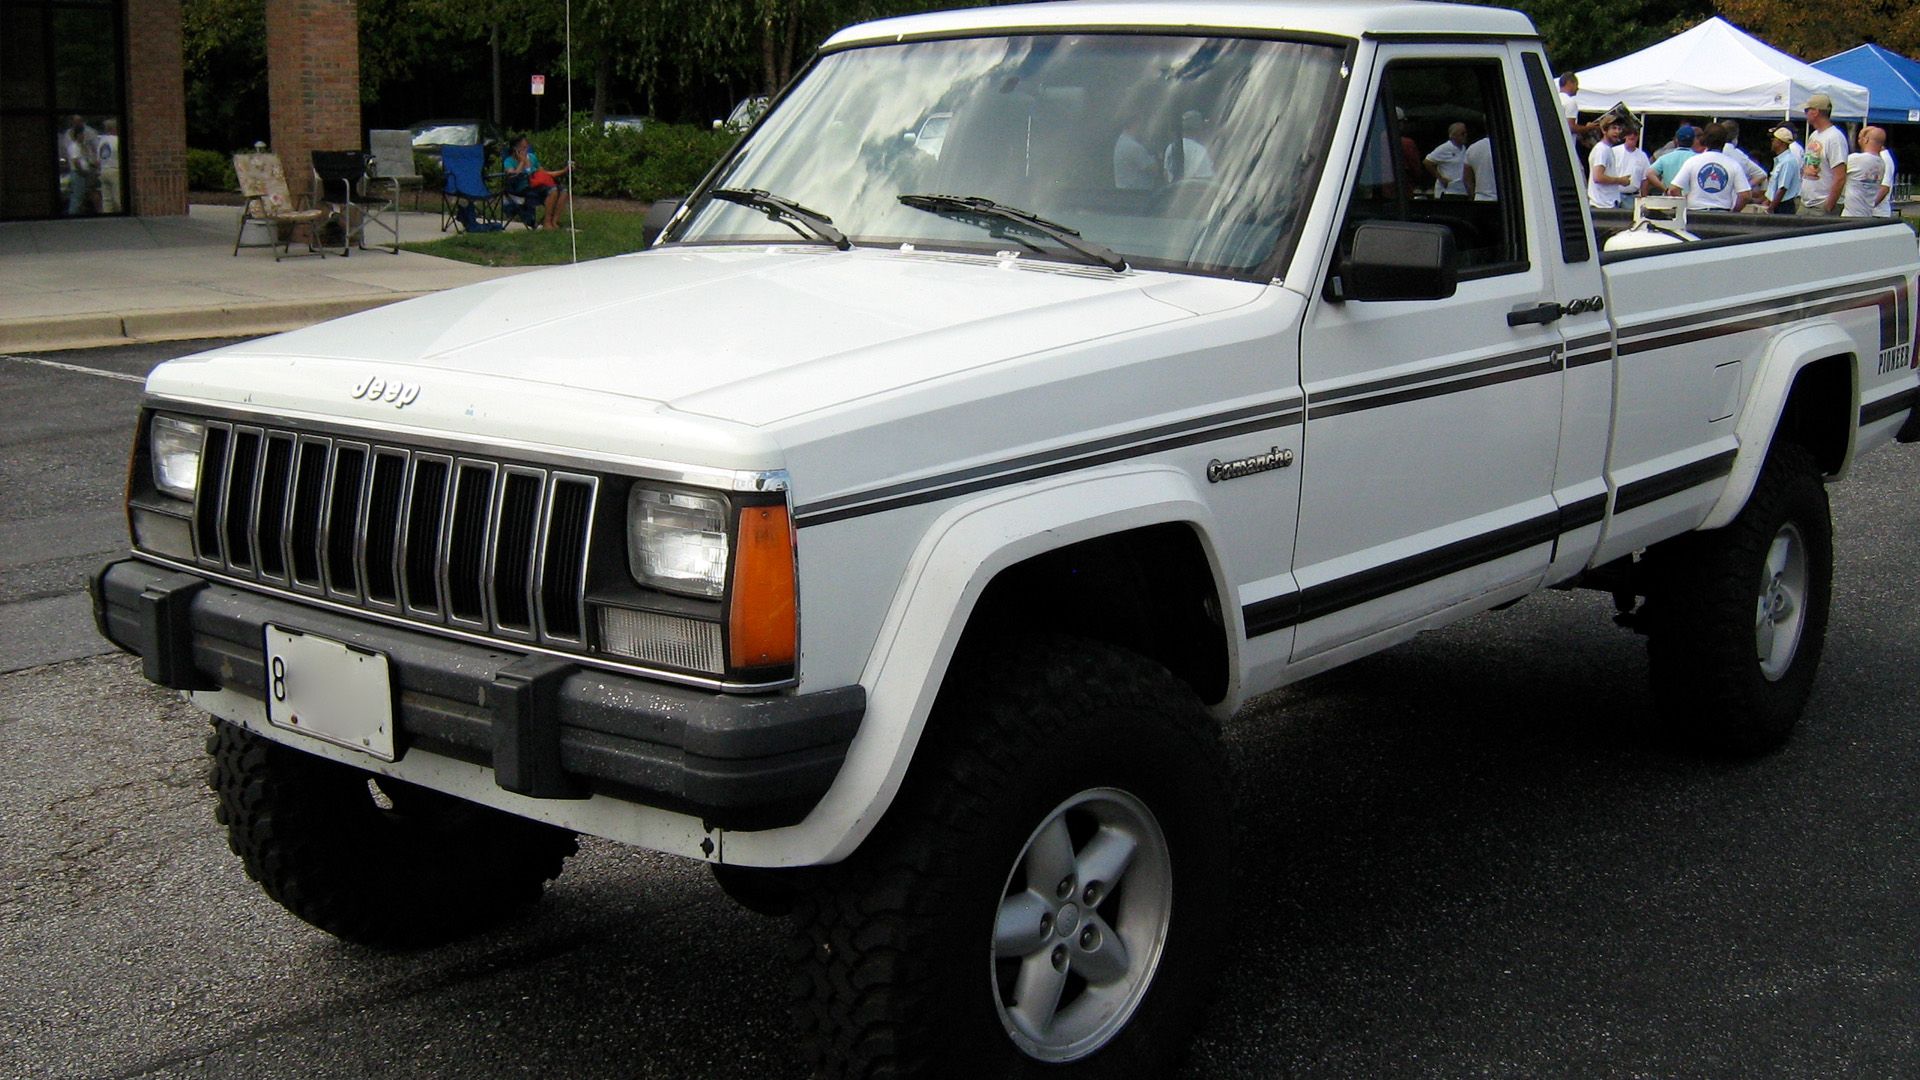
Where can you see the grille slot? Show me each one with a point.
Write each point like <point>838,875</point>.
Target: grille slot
<point>206,512</point>
<point>382,526</point>
<point>492,547</point>
<point>276,475</point>
<point>305,543</point>
<point>563,569</point>
<point>466,560</point>
<point>513,549</point>
<point>426,505</point>
<point>237,505</point>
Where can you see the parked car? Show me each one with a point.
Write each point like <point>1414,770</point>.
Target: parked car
<point>433,134</point>
<point>635,124</point>
<point>933,133</point>
<point>904,567</point>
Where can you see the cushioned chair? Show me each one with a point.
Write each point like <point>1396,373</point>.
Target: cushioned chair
<point>467,201</point>
<point>264,184</point>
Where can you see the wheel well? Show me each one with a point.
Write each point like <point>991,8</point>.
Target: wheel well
<point>1819,412</point>
<point>1148,590</point>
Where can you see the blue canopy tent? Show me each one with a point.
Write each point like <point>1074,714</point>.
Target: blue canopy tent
<point>1892,81</point>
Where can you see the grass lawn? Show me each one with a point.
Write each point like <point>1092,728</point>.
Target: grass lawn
<point>602,233</point>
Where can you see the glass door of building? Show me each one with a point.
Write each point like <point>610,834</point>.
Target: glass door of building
<point>62,109</point>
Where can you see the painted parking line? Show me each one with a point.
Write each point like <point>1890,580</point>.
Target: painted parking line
<point>121,375</point>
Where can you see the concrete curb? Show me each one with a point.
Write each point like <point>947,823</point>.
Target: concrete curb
<point>53,333</point>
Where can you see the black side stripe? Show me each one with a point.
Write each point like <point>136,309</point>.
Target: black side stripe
<point>1588,511</point>
<point>1672,482</point>
<point>1890,405</point>
<point>1271,416</point>
<point>1891,295</point>
<point>1592,356</point>
<point>1493,378</point>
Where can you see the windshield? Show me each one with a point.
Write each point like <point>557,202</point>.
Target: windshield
<point>1183,153</point>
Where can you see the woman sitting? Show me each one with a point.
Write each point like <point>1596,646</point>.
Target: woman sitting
<point>540,187</point>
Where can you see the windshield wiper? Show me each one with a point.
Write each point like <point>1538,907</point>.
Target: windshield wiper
<point>992,215</point>
<point>806,222</point>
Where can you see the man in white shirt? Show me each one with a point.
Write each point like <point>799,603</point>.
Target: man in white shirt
<point>1883,205</point>
<point>1756,176</point>
<point>79,151</point>
<point>107,148</point>
<point>1606,173</point>
<point>1864,172</point>
<point>1570,107</point>
<point>1824,174</point>
<point>1633,161</point>
<point>1710,179</point>
<point>1481,183</point>
<point>1447,163</point>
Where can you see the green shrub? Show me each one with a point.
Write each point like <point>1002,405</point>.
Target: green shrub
<point>661,161</point>
<point>427,164</point>
<point>210,170</point>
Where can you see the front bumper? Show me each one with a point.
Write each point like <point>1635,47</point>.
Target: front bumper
<point>547,728</point>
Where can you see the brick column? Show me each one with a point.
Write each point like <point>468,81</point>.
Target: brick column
<point>155,170</point>
<point>313,82</point>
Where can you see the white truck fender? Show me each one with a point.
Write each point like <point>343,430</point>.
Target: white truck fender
<point>956,559</point>
<point>1767,400</point>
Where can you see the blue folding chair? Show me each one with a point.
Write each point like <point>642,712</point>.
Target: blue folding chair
<point>467,203</point>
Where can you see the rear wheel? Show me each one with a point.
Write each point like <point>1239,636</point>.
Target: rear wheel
<point>1044,897</point>
<point>1737,616</point>
<point>372,859</point>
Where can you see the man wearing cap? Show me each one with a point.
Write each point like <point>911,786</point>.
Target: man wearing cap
<point>1667,166</point>
<point>1824,173</point>
<point>1783,183</point>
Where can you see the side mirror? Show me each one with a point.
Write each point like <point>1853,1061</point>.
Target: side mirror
<point>658,215</point>
<point>1397,260</point>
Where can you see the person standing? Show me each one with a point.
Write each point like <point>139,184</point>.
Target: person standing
<point>1710,179</point>
<point>1783,183</point>
<point>1481,183</point>
<point>1864,172</point>
<point>1570,108</point>
<point>80,154</point>
<point>1606,179</point>
<point>1756,176</point>
<point>1135,168</point>
<point>1686,143</point>
<point>108,150</point>
<point>1633,160</point>
<point>1824,173</point>
<point>1883,207</point>
<point>1447,163</point>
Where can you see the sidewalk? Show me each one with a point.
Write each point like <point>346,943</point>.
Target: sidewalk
<point>109,281</point>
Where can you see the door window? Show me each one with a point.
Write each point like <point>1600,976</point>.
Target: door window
<point>1440,150</point>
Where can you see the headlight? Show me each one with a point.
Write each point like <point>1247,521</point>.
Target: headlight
<point>677,541</point>
<point>175,446</point>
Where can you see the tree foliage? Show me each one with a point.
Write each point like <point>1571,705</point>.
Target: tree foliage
<point>1812,32</point>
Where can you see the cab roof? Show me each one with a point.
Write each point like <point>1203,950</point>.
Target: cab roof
<point>1342,19</point>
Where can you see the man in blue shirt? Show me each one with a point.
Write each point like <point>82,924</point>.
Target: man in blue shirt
<point>1660,175</point>
<point>1783,183</point>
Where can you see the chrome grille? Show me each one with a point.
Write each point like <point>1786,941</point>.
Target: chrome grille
<point>484,546</point>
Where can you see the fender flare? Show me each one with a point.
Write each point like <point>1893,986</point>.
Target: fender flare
<point>1786,357</point>
<point>958,556</point>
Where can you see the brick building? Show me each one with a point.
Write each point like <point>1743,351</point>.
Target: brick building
<point>116,66</point>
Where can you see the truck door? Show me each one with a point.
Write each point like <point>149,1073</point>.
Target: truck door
<point>1432,425</point>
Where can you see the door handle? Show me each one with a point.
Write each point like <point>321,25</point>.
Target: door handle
<point>1540,314</point>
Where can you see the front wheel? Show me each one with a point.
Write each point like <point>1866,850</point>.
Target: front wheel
<point>1045,896</point>
<point>1737,616</point>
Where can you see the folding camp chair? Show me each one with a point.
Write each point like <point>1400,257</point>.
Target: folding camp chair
<point>467,202</point>
<point>339,180</point>
<point>264,183</point>
<point>392,168</point>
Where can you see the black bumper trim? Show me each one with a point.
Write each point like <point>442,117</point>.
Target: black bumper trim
<point>548,728</point>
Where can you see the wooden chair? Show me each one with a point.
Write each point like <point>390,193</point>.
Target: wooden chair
<point>264,184</point>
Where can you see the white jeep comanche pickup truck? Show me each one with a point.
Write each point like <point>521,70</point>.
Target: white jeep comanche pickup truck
<point>893,534</point>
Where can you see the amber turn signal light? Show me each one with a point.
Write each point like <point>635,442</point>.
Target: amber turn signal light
<point>761,624</point>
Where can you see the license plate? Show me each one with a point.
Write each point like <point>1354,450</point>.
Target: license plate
<point>329,691</point>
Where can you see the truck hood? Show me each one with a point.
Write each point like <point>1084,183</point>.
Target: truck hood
<point>748,335</point>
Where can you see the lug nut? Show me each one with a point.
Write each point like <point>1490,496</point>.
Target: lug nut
<point>1064,889</point>
<point>1090,939</point>
<point>1046,923</point>
<point>1059,958</point>
<point>1092,894</point>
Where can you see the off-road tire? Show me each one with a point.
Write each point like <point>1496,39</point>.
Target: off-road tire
<point>404,869</point>
<point>894,948</point>
<point>1706,592</point>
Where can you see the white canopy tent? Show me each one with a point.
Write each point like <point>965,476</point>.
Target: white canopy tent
<point>1716,69</point>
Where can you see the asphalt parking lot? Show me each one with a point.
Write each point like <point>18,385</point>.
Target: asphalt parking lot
<point>1471,855</point>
